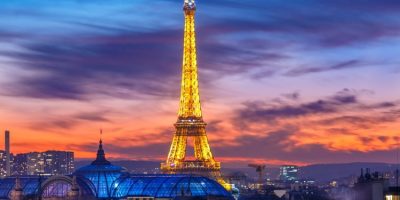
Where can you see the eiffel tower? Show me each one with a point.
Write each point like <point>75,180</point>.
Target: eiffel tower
<point>190,122</point>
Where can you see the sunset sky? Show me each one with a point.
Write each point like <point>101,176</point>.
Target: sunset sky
<point>301,81</point>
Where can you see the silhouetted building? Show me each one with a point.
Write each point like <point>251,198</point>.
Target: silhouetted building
<point>288,173</point>
<point>393,193</point>
<point>35,163</point>
<point>312,193</point>
<point>370,186</point>
<point>20,165</point>
<point>8,154</point>
<point>58,162</point>
<point>44,163</point>
<point>3,162</point>
<point>239,179</point>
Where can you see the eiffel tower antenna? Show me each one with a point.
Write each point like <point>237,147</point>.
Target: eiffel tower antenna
<point>190,122</point>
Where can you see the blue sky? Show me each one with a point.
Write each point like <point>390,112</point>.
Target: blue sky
<point>71,66</point>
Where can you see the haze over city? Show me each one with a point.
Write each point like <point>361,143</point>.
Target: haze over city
<point>300,83</point>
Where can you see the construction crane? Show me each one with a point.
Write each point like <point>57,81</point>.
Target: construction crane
<point>260,170</point>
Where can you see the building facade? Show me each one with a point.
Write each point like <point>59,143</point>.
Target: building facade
<point>34,163</point>
<point>44,163</point>
<point>58,162</point>
<point>3,162</point>
<point>288,173</point>
<point>20,166</point>
<point>7,151</point>
<point>370,186</point>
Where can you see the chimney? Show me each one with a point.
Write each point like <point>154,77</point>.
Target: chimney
<point>7,146</point>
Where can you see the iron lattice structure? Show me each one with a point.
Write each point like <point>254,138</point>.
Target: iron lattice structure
<point>190,122</point>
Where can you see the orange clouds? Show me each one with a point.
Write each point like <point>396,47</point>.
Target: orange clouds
<point>275,132</point>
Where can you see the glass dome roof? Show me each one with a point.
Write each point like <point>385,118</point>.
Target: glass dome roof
<point>100,174</point>
<point>30,185</point>
<point>167,186</point>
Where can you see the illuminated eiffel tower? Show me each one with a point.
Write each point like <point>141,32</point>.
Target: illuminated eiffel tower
<point>190,122</point>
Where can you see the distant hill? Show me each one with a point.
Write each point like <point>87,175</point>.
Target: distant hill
<point>327,172</point>
<point>317,172</point>
<point>322,172</point>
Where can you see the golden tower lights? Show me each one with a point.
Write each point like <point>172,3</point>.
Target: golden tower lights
<point>190,121</point>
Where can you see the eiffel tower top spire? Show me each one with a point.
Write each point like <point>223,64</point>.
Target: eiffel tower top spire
<point>189,4</point>
<point>190,107</point>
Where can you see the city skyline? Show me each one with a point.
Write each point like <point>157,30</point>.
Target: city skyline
<point>312,87</point>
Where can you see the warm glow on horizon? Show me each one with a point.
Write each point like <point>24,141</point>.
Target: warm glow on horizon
<point>274,88</point>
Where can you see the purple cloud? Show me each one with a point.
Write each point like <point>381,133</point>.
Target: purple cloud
<point>309,70</point>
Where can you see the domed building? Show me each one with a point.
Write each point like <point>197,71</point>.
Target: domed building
<point>101,175</point>
<point>103,180</point>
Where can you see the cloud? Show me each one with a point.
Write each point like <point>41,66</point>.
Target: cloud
<point>93,116</point>
<point>279,145</point>
<point>360,121</point>
<point>56,123</point>
<point>332,107</point>
<point>317,23</point>
<point>148,152</point>
<point>121,65</point>
<point>149,146</point>
<point>256,112</point>
<point>308,70</point>
<point>124,61</point>
<point>111,65</point>
<point>214,126</point>
<point>337,127</point>
<point>53,124</point>
<point>292,96</point>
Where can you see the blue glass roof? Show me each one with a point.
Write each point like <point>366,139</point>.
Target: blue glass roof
<point>100,168</point>
<point>100,178</point>
<point>106,185</point>
<point>110,181</point>
<point>100,174</point>
<point>30,185</point>
<point>167,186</point>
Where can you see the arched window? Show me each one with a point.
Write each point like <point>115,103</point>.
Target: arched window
<point>56,190</point>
